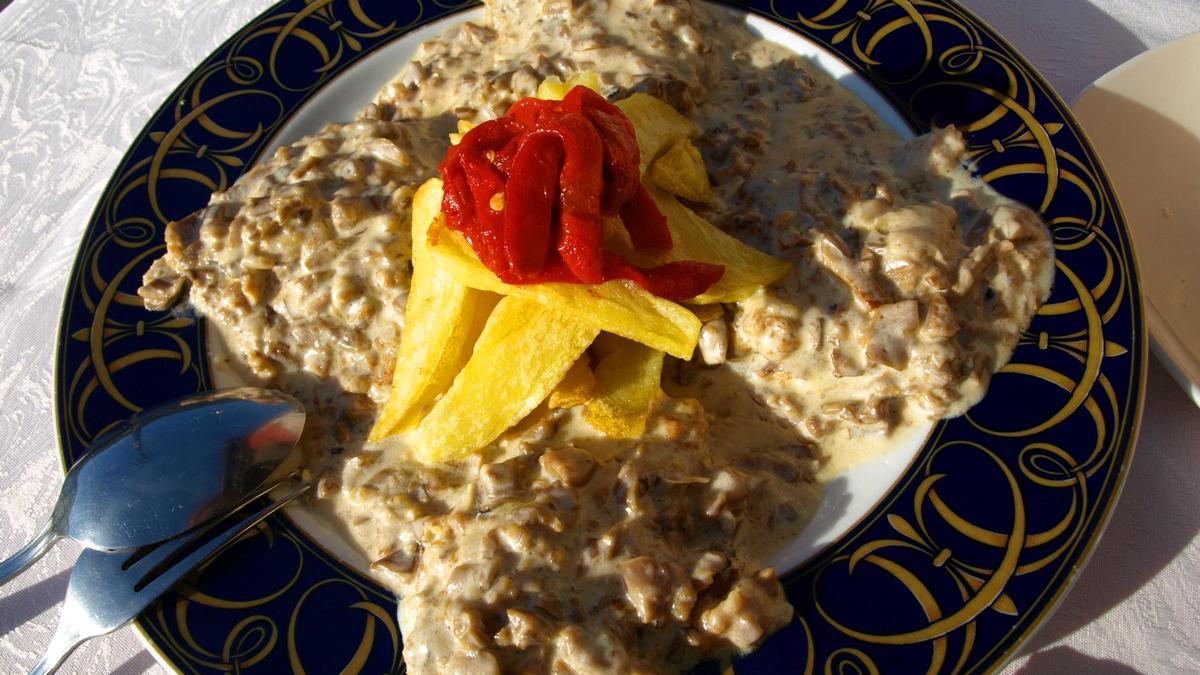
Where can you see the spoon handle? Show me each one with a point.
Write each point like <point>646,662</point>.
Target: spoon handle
<point>27,554</point>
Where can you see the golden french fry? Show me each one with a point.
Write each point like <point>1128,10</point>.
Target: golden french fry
<point>680,171</point>
<point>524,351</point>
<point>676,167</point>
<point>463,127</point>
<point>657,124</point>
<point>620,307</point>
<point>554,89</point>
<point>578,386</point>
<point>746,268</point>
<point>627,384</point>
<point>443,320</point>
<point>605,345</point>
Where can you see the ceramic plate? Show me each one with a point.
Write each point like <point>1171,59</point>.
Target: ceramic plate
<point>1144,119</point>
<point>940,557</point>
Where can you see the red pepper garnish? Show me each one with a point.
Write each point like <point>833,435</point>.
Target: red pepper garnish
<point>646,225</point>
<point>484,226</point>
<point>529,112</point>
<point>456,199</point>
<point>621,156</point>
<point>528,192</point>
<point>529,204</point>
<point>579,188</point>
<point>677,280</point>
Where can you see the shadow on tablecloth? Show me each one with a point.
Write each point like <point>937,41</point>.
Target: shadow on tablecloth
<point>31,601</point>
<point>1067,660</point>
<point>1072,42</point>
<point>136,665</point>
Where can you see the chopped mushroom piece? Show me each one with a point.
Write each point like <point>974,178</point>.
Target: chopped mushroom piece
<point>568,465</point>
<point>748,612</point>
<point>940,321</point>
<point>892,330</point>
<point>834,255</point>
<point>714,342</point>
<point>648,584</point>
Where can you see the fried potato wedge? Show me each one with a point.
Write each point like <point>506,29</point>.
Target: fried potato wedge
<point>657,124</point>
<point>523,352</point>
<point>578,386</point>
<point>554,89</point>
<point>463,127</point>
<point>680,171</point>
<point>620,306</point>
<point>746,268</point>
<point>627,385</point>
<point>676,168</point>
<point>444,318</point>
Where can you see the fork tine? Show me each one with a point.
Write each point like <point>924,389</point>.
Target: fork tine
<point>107,590</point>
<point>165,552</point>
<point>155,581</point>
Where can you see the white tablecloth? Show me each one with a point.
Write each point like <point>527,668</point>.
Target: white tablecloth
<point>79,78</point>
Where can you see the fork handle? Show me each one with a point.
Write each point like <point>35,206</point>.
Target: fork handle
<point>60,647</point>
<point>27,554</point>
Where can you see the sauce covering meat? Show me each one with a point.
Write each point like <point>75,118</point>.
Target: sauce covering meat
<point>556,548</point>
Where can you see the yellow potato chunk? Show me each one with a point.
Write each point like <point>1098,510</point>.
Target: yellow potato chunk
<point>578,386</point>
<point>680,171</point>
<point>444,319</point>
<point>746,268</point>
<point>554,89</point>
<point>627,385</point>
<point>463,127</point>
<point>524,351</point>
<point>657,124</point>
<point>676,167</point>
<point>620,307</point>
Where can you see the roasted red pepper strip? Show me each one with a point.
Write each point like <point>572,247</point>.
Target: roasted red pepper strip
<point>484,233</point>
<point>492,134</point>
<point>544,174</point>
<point>529,202</point>
<point>621,156</point>
<point>529,112</point>
<point>504,157</point>
<point>579,186</point>
<point>677,281</point>
<point>555,271</point>
<point>487,186</point>
<point>456,202</point>
<point>579,245</point>
<point>582,174</point>
<point>646,225</point>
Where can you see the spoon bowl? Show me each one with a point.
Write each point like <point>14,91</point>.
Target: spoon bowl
<point>170,469</point>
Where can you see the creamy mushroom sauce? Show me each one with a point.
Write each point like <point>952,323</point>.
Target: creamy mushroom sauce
<point>556,549</point>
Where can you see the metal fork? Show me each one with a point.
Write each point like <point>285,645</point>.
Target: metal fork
<point>109,588</point>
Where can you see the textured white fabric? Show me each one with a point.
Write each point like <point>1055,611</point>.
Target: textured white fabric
<point>79,79</point>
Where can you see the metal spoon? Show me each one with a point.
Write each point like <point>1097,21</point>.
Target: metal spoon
<point>169,469</point>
